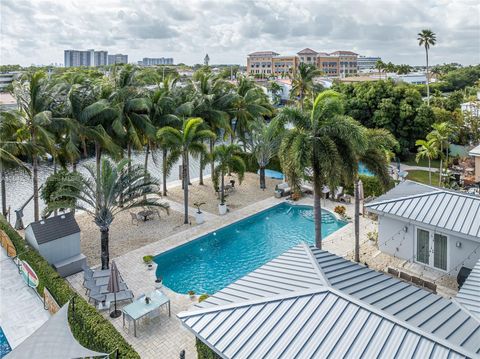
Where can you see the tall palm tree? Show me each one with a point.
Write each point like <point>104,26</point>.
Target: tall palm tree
<point>375,155</point>
<point>189,140</point>
<point>227,160</point>
<point>440,138</point>
<point>118,186</point>
<point>427,38</point>
<point>31,93</point>
<point>248,103</point>
<point>211,99</point>
<point>324,144</point>
<point>302,84</point>
<point>428,150</point>
<point>11,146</point>
<point>264,143</point>
<point>380,66</point>
<point>162,113</point>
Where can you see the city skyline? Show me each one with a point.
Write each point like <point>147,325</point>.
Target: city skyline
<point>39,32</point>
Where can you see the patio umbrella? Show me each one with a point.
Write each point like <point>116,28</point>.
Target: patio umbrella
<point>114,287</point>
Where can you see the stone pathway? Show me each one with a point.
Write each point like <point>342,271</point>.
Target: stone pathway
<point>21,310</point>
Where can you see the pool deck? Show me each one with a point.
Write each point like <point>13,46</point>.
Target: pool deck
<point>21,310</point>
<point>165,335</point>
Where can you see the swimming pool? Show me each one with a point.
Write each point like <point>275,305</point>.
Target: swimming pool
<point>362,170</point>
<point>272,174</point>
<point>4,345</point>
<point>217,259</point>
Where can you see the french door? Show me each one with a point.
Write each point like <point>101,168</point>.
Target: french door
<point>431,249</point>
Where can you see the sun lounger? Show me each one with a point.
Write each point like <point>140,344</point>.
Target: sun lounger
<point>109,297</point>
<point>283,188</point>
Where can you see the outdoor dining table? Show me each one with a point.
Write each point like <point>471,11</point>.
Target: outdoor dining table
<point>146,214</point>
<point>139,308</point>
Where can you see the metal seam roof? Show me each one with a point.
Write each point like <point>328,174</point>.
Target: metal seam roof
<point>424,311</point>
<point>469,295</point>
<point>442,209</point>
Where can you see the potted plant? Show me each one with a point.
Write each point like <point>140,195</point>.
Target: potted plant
<point>222,207</point>
<point>199,216</point>
<point>158,283</point>
<point>148,260</point>
<point>191,293</point>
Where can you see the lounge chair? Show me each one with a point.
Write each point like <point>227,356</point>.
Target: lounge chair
<point>283,188</point>
<point>109,297</point>
<point>134,217</point>
<point>338,192</point>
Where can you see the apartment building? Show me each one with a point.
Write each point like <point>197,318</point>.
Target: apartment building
<point>270,63</point>
<point>76,58</point>
<point>347,62</point>
<point>367,62</point>
<point>152,61</point>
<point>117,59</point>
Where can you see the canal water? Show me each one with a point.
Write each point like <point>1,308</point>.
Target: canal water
<point>19,185</point>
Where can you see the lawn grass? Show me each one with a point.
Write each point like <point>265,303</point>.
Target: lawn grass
<point>422,163</point>
<point>422,177</point>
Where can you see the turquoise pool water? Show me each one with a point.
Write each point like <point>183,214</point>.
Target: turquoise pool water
<point>272,174</point>
<point>363,170</point>
<point>4,346</point>
<point>215,260</point>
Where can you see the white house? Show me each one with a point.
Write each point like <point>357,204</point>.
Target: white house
<point>435,227</point>
<point>475,153</point>
<point>57,239</point>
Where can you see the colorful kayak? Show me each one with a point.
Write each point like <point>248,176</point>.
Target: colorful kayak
<point>28,274</point>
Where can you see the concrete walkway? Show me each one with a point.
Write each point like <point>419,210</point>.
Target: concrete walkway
<point>21,310</point>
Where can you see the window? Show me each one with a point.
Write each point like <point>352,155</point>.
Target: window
<point>423,240</point>
<point>440,251</point>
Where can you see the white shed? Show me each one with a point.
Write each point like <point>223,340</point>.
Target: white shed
<point>431,226</point>
<point>57,239</point>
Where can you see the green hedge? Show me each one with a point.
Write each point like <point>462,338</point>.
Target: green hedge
<point>371,186</point>
<point>91,329</point>
<point>204,352</point>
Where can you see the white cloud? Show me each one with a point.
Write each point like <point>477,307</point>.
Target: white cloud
<point>39,31</point>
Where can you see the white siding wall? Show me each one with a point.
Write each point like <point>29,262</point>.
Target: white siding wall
<point>393,240</point>
<point>60,249</point>
<point>30,238</point>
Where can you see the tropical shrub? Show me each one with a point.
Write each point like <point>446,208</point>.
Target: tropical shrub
<point>204,352</point>
<point>203,297</point>
<point>91,329</point>
<point>372,187</point>
<point>340,210</point>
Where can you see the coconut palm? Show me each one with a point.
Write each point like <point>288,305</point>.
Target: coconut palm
<point>427,38</point>
<point>276,91</point>
<point>247,104</point>
<point>189,140</point>
<point>211,99</point>
<point>323,145</point>
<point>264,143</point>
<point>227,160</point>
<point>439,137</point>
<point>428,150</point>
<point>11,146</point>
<point>120,189</point>
<point>380,66</point>
<point>32,95</point>
<point>375,155</point>
<point>302,84</point>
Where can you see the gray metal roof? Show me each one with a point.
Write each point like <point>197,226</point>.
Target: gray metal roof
<point>420,315</point>
<point>52,228</point>
<point>404,189</point>
<point>317,323</point>
<point>448,211</point>
<point>469,294</point>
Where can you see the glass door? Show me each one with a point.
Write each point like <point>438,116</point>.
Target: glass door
<point>440,251</point>
<point>423,246</point>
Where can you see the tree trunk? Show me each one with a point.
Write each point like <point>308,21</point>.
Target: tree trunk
<point>212,164</point>
<point>201,169</point>
<point>105,256</point>
<point>147,151</point>
<point>185,187</point>
<point>428,80</point>
<point>317,208</point>
<point>55,212</point>
<point>429,172</point>
<point>3,191</point>
<point>164,174</point>
<point>262,177</point>
<point>98,157</point>
<point>441,166</point>
<point>357,222</point>
<point>36,210</point>
<point>129,157</point>
<point>222,189</point>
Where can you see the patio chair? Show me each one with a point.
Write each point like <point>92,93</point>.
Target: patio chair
<point>135,219</point>
<point>121,296</point>
<point>103,306</point>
